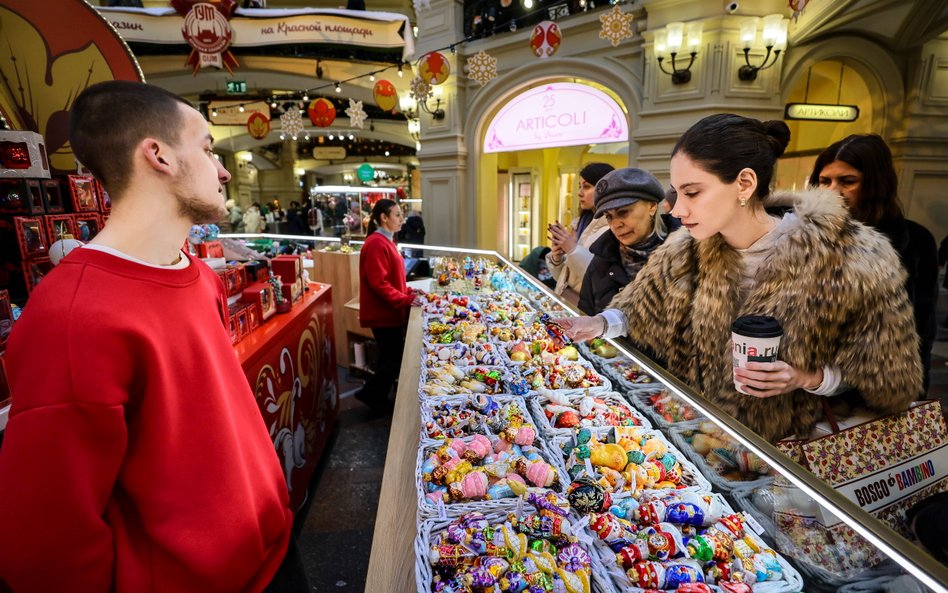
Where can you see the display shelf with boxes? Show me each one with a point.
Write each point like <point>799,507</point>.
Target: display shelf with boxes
<point>718,542</point>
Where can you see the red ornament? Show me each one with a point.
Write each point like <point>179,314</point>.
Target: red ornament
<point>322,112</point>
<point>434,68</point>
<point>386,97</point>
<point>567,419</point>
<point>258,125</point>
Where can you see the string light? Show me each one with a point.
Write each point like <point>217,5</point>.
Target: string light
<point>214,112</point>
<point>338,88</point>
<point>241,109</point>
<point>351,137</point>
<point>400,73</point>
<point>331,137</point>
<point>372,77</point>
<point>305,97</point>
<point>273,105</point>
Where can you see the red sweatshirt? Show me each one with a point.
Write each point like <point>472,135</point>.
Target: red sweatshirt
<point>135,459</point>
<point>384,298</point>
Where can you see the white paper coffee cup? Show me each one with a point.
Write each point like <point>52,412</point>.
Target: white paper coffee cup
<point>754,338</point>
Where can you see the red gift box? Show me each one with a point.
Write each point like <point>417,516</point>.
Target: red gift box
<point>253,315</point>
<point>288,267</point>
<point>210,249</point>
<point>84,192</point>
<point>31,237</point>
<point>53,197</point>
<point>6,319</point>
<point>58,225</point>
<point>23,154</point>
<point>34,270</point>
<point>87,225</point>
<point>261,295</point>
<point>232,326</point>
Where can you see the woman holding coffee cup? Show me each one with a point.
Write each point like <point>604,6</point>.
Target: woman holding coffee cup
<point>833,285</point>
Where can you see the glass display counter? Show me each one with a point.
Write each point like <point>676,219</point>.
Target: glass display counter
<point>716,458</point>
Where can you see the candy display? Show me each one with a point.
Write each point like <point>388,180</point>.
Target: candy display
<point>687,541</point>
<point>533,551</point>
<point>480,469</point>
<point>663,407</point>
<point>461,354</point>
<point>446,331</point>
<point>625,370</point>
<point>505,307</point>
<point>451,306</point>
<point>627,460</point>
<point>452,417</point>
<point>564,411</point>
<point>452,380</point>
<point>729,465</point>
<point>569,375</point>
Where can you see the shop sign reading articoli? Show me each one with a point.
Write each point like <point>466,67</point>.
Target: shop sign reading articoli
<point>557,114</point>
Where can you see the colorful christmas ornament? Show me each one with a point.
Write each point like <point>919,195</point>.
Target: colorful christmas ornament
<point>258,125</point>
<point>616,25</point>
<point>434,68</point>
<point>291,123</point>
<point>482,67</point>
<point>386,97</point>
<point>545,39</point>
<point>322,112</point>
<point>420,89</point>
<point>356,114</point>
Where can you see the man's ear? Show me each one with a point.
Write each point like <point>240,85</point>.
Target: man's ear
<point>156,155</point>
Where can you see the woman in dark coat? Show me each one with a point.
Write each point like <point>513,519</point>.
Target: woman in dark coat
<point>859,168</point>
<point>629,201</point>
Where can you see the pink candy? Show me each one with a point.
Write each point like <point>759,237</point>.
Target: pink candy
<point>474,485</point>
<point>525,436</point>
<point>480,444</point>
<point>541,474</point>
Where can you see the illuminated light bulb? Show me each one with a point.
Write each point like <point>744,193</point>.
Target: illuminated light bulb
<point>371,78</point>
<point>241,109</point>
<point>306,97</point>
<point>338,88</point>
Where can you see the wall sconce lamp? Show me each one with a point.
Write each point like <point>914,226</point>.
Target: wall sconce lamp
<point>410,105</point>
<point>670,39</point>
<point>774,35</point>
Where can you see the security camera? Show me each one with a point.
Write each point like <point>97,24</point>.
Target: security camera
<point>731,7</point>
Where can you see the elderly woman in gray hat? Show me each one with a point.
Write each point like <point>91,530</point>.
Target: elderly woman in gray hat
<point>629,200</point>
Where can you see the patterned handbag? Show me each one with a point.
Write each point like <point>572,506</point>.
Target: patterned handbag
<point>885,466</point>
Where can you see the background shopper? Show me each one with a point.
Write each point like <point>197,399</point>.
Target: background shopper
<point>834,285</point>
<point>384,301</point>
<point>859,168</point>
<point>138,460</point>
<point>569,254</point>
<point>629,200</point>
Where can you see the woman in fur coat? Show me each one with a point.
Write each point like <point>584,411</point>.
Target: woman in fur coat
<point>834,285</point>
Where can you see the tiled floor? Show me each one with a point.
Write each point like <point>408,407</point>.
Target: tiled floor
<point>336,537</point>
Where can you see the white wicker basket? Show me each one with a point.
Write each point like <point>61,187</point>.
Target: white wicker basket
<point>691,477</point>
<point>676,434</point>
<point>430,403</point>
<point>426,509</point>
<point>612,398</point>
<point>424,572</point>
<point>466,356</point>
<point>619,582</point>
<point>639,398</point>
<point>605,386</point>
<point>456,388</point>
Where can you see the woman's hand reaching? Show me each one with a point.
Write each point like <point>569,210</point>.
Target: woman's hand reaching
<point>767,379</point>
<point>580,329</point>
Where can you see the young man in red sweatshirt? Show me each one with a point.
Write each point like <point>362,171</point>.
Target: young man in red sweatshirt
<point>135,459</point>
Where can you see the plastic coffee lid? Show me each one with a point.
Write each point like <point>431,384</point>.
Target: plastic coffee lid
<point>757,326</point>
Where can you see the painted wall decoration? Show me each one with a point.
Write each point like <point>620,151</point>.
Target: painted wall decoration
<point>258,125</point>
<point>54,59</point>
<point>545,39</point>
<point>434,68</point>
<point>386,97</point>
<point>321,112</point>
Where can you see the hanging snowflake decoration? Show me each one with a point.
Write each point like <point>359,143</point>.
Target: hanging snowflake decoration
<point>420,89</point>
<point>291,123</point>
<point>616,25</point>
<point>482,67</point>
<point>419,4</point>
<point>356,114</point>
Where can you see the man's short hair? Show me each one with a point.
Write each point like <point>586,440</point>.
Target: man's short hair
<point>109,119</point>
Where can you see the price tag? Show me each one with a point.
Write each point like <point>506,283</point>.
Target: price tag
<point>752,522</point>
<point>442,512</point>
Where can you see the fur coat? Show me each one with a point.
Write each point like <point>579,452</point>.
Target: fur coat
<point>836,286</point>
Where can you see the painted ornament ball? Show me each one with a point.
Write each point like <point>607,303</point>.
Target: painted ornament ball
<point>322,112</point>
<point>258,125</point>
<point>434,68</point>
<point>545,39</point>
<point>386,97</point>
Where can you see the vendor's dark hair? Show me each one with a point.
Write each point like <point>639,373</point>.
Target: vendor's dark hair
<point>110,118</point>
<point>879,189</point>
<point>383,206</point>
<point>725,144</point>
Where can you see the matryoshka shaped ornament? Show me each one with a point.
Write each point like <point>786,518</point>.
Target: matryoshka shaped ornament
<point>545,39</point>
<point>386,97</point>
<point>322,112</point>
<point>434,68</point>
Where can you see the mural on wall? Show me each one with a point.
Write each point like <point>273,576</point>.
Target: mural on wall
<point>45,63</point>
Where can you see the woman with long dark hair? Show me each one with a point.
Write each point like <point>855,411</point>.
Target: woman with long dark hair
<point>860,169</point>
<point>384,301</point>
<point>833,284</point>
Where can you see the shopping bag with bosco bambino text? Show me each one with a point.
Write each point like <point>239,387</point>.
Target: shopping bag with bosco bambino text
<point>884,465</point>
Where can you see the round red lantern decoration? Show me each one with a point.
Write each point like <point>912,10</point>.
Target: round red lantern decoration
<point>258,125</point>
<point>322,112</point>
<point>434,68</point>
<point>386,97</point>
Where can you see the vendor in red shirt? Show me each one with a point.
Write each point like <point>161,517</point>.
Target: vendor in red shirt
<point>135,458</point>
<point>384,301</point>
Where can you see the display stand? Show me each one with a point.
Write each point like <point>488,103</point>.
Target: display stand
<point>290,364</point>
<point>341,270</point>
<point>392,563</point>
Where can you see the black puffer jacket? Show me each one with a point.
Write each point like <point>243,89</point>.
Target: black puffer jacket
<point>606,275</point>
<point>919,254</point>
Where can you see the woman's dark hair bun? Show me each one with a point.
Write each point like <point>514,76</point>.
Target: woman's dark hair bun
<point>779,135</point>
